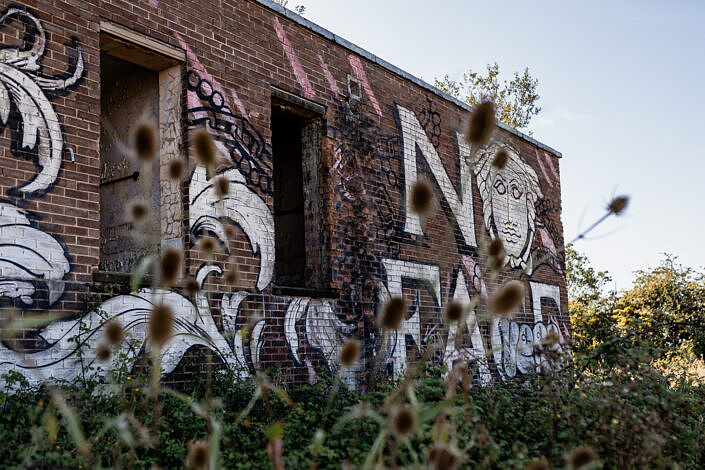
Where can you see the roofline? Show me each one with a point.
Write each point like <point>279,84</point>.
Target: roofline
<point>392,68</point>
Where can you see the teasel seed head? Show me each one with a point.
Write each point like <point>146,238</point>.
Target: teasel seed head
<point>176,169</point>
<point>481,124</point>
<point>349,352</point>
<point>114,332</point>
<point>500,159</point>
<point>161,324</point>
<point>443,458</point>
<point>496,256</point>
<point>507,299</point>
<point>581,457</point>
<point>204,148</point>
<point>453,311</point>
<point>103,352</point>
<point>199,455</point>
<point>137,210</point>
<point>618,204</point>
<point>393,313</point>
<point>221,185</point>
<point>232,276</point>
<point>421,197</point>
<point>191,286</point>
<point>404,421</point>
<point>207,245</point>
<point>170,266</point>
<point>145,142</point>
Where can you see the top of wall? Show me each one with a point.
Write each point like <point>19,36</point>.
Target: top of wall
<point>396,70</point>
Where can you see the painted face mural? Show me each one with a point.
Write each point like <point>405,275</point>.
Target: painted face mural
<point>508,197</point>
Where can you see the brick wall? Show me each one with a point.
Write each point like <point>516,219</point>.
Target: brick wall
<point>226,59</point>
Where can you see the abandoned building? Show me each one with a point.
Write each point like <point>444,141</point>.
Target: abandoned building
<point>321,143</point>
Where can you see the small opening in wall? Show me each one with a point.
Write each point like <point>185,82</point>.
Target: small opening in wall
<point>354,88</point>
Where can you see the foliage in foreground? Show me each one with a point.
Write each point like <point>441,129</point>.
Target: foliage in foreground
<point>631,415</point>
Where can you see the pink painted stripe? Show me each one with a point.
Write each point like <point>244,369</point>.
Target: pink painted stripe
<point>293,60</point>
<point>549,159</point>
<point>543,169</point>
<point>329,76</point>
<point>238,103</point>
<point>192,97</point>
<point>359,72</point>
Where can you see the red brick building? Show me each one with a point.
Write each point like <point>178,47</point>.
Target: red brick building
<point>321,143</point>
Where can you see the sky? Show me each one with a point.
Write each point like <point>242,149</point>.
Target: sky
<point>622,88</point>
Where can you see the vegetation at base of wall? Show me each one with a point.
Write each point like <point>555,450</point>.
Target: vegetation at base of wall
<point>630,413</point>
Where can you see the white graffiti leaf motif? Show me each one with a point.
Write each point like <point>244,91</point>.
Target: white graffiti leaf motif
<point>21,85</point>
<point>242,207</point>
<point>27,254</point>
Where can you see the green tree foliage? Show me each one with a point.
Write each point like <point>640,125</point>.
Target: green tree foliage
<point>516,100</point>
<point>662,315</point>
<point>590,308</point>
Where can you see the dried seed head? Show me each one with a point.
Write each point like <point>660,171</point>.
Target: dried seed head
<point>481,124</point>
<point>170,266</point>
<point>393,313</point>
<point>176,169</point>
<point>537,465</point>
<point>500,159</point>
<point>507,299</point>
<point>103,352</point>
<point>161,324</point>
<point>551,339</point>
<point>191,286</point>
<point>204,148</point>
<point>497,257</point>
<point>232,276</point>
<point>207,245</point>
<point>230,232</point>
<point>138,211</point>
<point>442,458</point>
<point>145,142</point>
<point>221,186</point>
<point>114,332</point>
<point>199,455</point>
<point>453,312</point>
<point>618,204</point>
<point>581,457</point>
<point>404,421</point>
<point>349,352</point>
<point>421,197</point>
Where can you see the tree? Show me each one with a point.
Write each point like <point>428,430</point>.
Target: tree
<point>589,305</point>
<point>662,317</point>
<point>515,100</point>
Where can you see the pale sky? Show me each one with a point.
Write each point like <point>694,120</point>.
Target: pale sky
<point>622,88</point>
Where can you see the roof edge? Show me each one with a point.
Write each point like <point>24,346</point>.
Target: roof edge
<point>392,68</point>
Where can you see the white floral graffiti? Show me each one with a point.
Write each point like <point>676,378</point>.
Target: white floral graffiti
<point>508,197</point>
<point>21,83</point>
<point>240,206</point>
<point>325,332</point>
<point>194,325</point>
<point>28,255</point>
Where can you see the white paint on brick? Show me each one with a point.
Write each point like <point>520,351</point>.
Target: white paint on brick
<point>461,205</point>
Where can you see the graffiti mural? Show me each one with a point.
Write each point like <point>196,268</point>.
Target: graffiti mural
<point>375,153</point>
<point>23,88</point>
